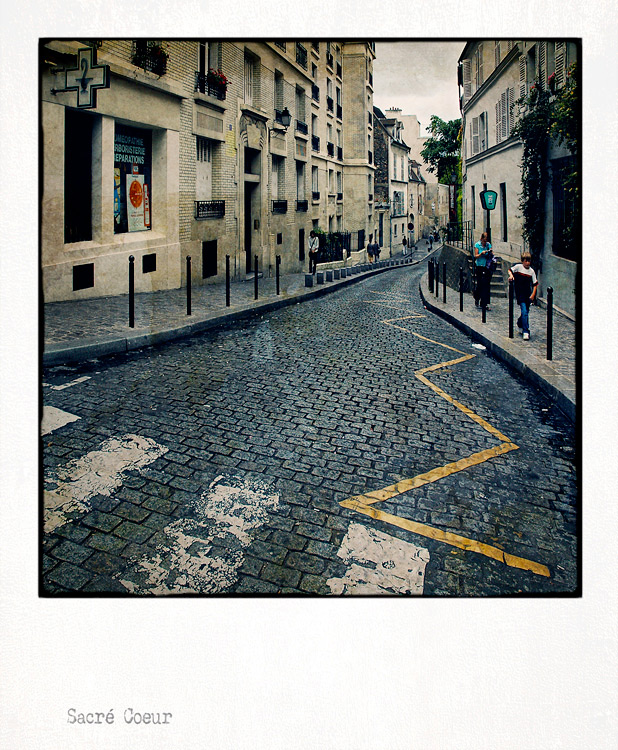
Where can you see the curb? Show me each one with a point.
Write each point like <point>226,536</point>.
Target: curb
<point>70,352</point>
<point>545,378</point>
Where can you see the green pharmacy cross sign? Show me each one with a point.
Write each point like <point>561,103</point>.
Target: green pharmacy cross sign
<point>488,199</point>
<point>86,78</point>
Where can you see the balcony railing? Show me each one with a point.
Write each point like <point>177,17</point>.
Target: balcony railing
<point>201,84</point>
<point>315,143</point>
<point>370,197</point>
<point>339,197</point>
<point>281,45</point>
<point>340,153</point>
<point>280,207</point>
<point>149,56</point>
<point>370,156</point>
<point>330,104</point>
<point>209,209</point>
<point>316,46</point>
<point>339,69</point>
<point>301,55</point>
<point>315,195</point>
<point>302,127</point>
<point>302,205</point>
<point>339,112</point>
<point>315,93</point>
<point>330,149</point>
<point>329,59</point>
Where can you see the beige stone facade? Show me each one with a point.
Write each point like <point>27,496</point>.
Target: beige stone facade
<point>222,175</point>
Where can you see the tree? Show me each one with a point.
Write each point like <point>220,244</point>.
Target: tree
<point>442,150</point>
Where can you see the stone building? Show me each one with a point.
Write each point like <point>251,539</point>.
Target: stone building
<point>198,148</point>
<point>493,75</point>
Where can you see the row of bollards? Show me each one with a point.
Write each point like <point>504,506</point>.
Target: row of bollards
<point>433,283</point>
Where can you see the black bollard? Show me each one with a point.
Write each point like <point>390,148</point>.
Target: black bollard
<point>461,286</point>
<point>255,276</point>
<point>188,285</point>
<point>437,278</point>
<point>511,307</point>
<point>444,283</point>
<point>430,275</point>
<point>227,280</point>
<point>550,322</point>
<point>277,264</point>
<point>484,311</point>
<point>131,292</point>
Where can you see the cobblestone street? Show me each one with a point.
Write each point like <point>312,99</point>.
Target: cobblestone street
<point>243,460</point>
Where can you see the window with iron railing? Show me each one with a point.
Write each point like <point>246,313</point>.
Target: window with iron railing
<point>316,46</point>
<point>339,69</point>
<point>149,55</point>
<point>315,195</point>
<point>329,59</point>
<point>209,209</point>
<point>281,45</point>
<point>302,205</point>
<point>340,153</point>
<point>339,112</point>
<point>371,80</point>
<point>330,104</point>
<point>315,143</point>
<point>211,88</point>
<point>302,127</point>
<point>330,149</point>
<point>315,93</point>
<point>280,207</point>
<point>301,55</point>
<point>370,156</point>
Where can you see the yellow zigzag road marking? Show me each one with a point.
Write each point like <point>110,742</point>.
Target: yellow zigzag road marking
<point>364,503</point>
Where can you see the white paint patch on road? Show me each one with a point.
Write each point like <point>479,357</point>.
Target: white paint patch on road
<point>54,418</point>
<point>479,346</point>
<point>379,564</point>
<point>99,472</point>
<point>68,385</point>
<point>202,555</point>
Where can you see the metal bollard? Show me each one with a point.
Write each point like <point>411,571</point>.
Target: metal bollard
<point>255,276</point>
<point>461,285</point>
<point>131,292</point>
<point>188,285</point>
<point>550,321</point>
<point>444,283</point>
<point>277,264</point>
<point>484,311</point>
<point>437,278</point>
<point>227,280</point>
<point>430,275</point>
<point>511,307</point>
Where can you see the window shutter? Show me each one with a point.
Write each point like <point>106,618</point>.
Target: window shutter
<point>480,53</point>
<point>248,80</point>
<point>560,64</point>
<point>509,45</point>
<point>510,114</point>
<point>467,82</point>
<point>504,110</point>
<point>543,64</point>
<point>498,121</point>
<point>522,76</point>
<point>475,135</point>
<point>497,54</point>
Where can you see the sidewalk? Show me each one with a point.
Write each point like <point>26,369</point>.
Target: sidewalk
<point>557,377</point>
<point>75,331</point>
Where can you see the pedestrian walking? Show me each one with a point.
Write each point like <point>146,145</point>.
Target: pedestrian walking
<point>370,252</point>
<point>404,242</point>
<point>526,285</point>
<point>376,250</point>
<point>314,246</point>
<point>430,242</point>
<point>481,292</point>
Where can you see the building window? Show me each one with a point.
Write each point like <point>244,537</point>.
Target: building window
<point>503,213</point>
<point>300,105</point>
<point>250,79</point>
<point>132,179</point>
<point>478,65</point>
<point>565,213</point>
<point>77,176</point>
<point>314,181</point>
<point>203,169</point>
<point>279,91</point>
<point>209,258</point>
<point>278,177</point>
<point>300,180</point>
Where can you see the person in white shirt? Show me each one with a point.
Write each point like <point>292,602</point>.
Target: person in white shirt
<point>314,246</point>
<point>526,285</point>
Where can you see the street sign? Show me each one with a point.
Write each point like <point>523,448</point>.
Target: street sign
<point>488,199</point>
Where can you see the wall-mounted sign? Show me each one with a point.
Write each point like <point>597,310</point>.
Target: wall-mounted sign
<point>86,78</point>
<point>132,179</point>
<point>135,203</point>
<point>488,199</point>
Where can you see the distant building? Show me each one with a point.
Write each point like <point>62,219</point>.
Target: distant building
<point>188,152</point>
<point>493,75</point>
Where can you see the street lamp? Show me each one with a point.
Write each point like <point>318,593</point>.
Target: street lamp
<point>283,118</point>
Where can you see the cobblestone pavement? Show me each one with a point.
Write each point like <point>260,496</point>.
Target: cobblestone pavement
<point>218,464</point>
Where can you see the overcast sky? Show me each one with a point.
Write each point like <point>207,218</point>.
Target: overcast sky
<point>420,78</point>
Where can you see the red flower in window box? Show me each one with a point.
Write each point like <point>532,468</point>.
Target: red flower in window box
<point>216,78</point>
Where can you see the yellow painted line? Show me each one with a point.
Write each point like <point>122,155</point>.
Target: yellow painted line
<point>364,503</point>
<point>393,307</point>
<point>455,540</point>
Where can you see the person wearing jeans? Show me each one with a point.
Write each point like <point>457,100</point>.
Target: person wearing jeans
<point>526,285</point>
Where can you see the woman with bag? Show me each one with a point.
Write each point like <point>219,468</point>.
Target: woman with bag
<point>482,251</point>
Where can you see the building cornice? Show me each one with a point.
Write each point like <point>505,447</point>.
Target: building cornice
<point>503,146</point>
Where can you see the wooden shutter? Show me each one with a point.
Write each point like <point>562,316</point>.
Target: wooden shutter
<point>509,45</point>
<point>498,121</point>
<point>248,80</point>
<point>510,115</point>
<point>504,110</point>
<point>467,82</point>
<point>475,135</point>
<point>522,76</point>
<point>560,63</point>
<point>480,54</point>
<point>497,54</point>
<point>543,64</point>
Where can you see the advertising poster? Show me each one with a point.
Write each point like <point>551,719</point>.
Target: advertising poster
<point>135,202</point>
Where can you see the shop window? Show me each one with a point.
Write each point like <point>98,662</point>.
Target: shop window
<point>83,276</point>
<point>132,179</point>
<point>77,176</point>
